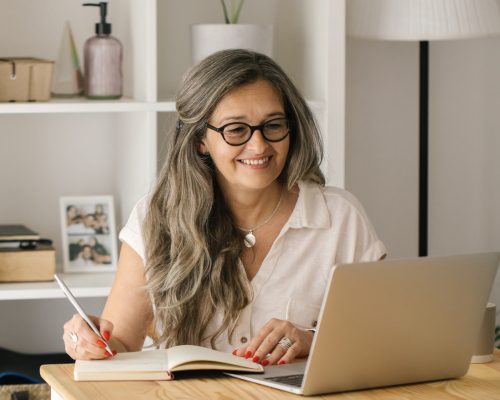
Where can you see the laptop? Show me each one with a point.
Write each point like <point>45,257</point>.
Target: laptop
<point>392,322</point>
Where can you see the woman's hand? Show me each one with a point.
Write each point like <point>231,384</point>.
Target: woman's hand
<point>80,341</point>
<point>278,342</point>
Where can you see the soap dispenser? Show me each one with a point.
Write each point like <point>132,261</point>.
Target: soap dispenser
<point>102,60</point>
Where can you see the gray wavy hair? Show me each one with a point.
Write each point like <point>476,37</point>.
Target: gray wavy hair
<point>192,244</point>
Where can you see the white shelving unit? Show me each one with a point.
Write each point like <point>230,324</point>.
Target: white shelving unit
<point>81,285</point>
<point>82,147</point>
<point>80,105</point>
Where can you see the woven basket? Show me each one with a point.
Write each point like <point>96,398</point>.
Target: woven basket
<point>37,392</point>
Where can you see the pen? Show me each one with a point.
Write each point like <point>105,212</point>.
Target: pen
<point>73,301</point>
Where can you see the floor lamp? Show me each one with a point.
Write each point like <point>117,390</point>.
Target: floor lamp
<point>422,21</point>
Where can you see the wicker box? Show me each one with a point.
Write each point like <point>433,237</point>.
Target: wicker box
<point>36,391</point>
<point>25,79</point>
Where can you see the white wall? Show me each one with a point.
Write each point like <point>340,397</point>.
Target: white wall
<point>36,326</point>
<point>464,130</point>
<point>382,137</point>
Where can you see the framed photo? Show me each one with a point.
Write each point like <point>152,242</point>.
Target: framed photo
<point>88,234</point>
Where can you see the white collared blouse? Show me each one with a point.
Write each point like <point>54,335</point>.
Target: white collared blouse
<point>328,226</point>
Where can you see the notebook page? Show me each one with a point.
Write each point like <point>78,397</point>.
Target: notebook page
<point>184,354</point>
<point>153,360</point>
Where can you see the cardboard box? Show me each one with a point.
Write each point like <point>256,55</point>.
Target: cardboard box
<point>25,79</point>
<point>27,265</point>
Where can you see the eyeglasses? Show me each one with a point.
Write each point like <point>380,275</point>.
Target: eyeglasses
<point>238,133</point>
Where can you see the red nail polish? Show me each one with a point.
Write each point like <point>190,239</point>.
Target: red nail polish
<point>106,335</point>
<point>282,362</point>
<point>101,344</point>
<point>107,354</point>
<point>256,359</point>
<point>265,362</point>
<point>115,352</point>
<point>234,352</point>
<point>248,354</point>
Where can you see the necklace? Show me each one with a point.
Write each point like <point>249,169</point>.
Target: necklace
<point>249,236</point>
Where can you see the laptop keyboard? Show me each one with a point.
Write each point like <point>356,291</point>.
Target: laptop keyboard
<point>292,380</point>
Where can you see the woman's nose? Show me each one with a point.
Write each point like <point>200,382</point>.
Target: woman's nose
<point>257,142</point>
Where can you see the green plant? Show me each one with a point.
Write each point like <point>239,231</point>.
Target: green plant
<point>235,8</point>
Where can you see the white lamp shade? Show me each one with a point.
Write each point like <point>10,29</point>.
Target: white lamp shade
<point>420,20</point>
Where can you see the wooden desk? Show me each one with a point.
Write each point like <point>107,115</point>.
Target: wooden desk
<point>482,382</point>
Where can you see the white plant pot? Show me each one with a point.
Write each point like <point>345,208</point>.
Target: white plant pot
<point>207,39</point>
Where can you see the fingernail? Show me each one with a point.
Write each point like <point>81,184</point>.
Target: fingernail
<point>115,352</point>
<point>256,359</point>
<point>107,354</point>
<point>282,362</point>
<point>248,354</point>
<point>265,362</point>
<point>106,335</point>
<point>234,352</point>
<point>101,344</point>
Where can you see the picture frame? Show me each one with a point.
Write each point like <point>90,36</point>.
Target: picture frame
<point>88,231</point>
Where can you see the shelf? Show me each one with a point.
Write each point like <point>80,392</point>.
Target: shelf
<point>81,285</point>
<point>165,106</point>
<point>82,105</point>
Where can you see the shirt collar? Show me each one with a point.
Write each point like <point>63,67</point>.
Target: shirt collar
<point>311,210</point>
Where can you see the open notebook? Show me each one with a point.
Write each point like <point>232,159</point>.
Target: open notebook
<point>160,364</point>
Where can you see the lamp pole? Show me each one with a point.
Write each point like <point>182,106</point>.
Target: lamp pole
<point>422,21</point>
<point>423,196</point>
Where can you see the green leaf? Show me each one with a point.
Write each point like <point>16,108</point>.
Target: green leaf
<point>232,15</point>
<point>236,15</point>
<point>226,17</point>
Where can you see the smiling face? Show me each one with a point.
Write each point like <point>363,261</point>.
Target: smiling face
<point>256,164</point>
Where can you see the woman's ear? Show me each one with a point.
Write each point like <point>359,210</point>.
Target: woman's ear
<point>202,148</point>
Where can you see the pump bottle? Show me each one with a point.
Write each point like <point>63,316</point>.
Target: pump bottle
<point>103,60</point>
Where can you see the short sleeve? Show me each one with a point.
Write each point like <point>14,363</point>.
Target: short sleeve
<point>359,242</point>
<point>131,233</point>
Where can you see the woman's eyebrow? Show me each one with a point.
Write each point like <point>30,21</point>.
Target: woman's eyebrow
<point>276,114</point>
<point>243,117</point>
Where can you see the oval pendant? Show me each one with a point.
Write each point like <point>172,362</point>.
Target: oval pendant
<point>249,239</point>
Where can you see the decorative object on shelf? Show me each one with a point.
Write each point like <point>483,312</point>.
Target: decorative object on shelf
<point>19,236</point>
<point>207,39</point>
<point>422,21</point>
<point>24,257</point>
<point>103,60</point>
<point>88,233</point>
<point>27,265</point>
<point>68,78</point>
<point>25,79</point>
<point>233,16</point>
<point>15,233</point>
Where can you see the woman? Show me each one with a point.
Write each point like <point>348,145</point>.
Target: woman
<point>72,215</point>
<point>233,247</point>
<point>100,254</point>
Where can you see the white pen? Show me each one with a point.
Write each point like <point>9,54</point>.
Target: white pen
<point>73,301</point>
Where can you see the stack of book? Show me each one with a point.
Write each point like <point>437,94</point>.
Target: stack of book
<point>22,256</point>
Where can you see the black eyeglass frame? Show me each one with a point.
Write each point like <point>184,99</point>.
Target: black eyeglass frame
<point>253,128</point>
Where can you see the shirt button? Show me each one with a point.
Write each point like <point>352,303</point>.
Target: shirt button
<point>243,339</point>
<point>314,324</point>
